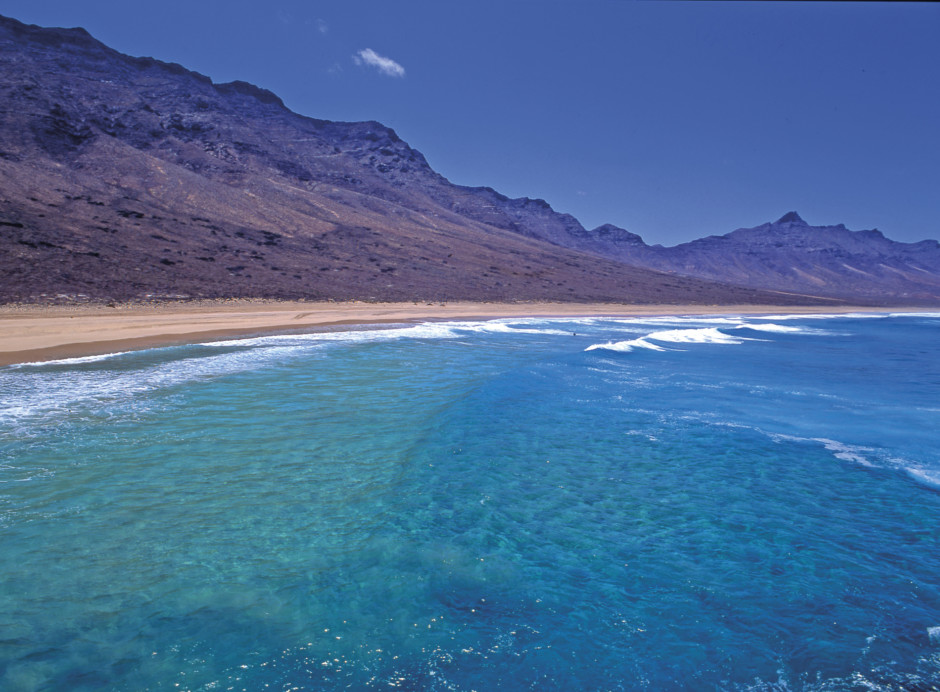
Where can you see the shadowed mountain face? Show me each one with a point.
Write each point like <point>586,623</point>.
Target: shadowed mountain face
<point>128,177</point>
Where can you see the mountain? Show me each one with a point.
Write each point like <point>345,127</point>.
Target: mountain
<point>127,178</point>
<point>791,255</point>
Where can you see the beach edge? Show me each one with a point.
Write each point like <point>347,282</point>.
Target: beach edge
<point>43,333</point>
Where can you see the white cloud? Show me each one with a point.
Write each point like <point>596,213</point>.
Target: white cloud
<point>322,26</point>
<point>386,66</point>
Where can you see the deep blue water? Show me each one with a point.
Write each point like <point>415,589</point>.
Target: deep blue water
<point>644,504</point>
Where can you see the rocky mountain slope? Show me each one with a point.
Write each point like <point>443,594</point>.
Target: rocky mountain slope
<point>123,178</point>
<point>791,255</point>
<point>128,177</point>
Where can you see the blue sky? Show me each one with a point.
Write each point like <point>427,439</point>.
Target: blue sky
<point>674,120</point>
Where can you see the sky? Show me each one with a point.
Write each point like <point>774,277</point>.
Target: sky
<point>674,120</point>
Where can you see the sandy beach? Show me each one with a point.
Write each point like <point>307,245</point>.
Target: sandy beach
<point>39,333</point>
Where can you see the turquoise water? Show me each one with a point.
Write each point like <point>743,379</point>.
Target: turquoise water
<point>596,504</point>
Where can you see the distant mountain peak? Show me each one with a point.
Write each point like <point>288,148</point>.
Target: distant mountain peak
<point>791,217</point>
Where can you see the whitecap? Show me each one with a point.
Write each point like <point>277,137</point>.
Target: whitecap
<point>776,328</point>
<point>427,330</point>
<point>681,320</point>
<point>840,450</point>
<point>56,393</point>
<point>701,335</point>
<point>424,330</point>
<point>626,346</point>
<point>509,326</point>
<point>706,335</point>
<point>929,478</point>
<point>827,316</point>
<point>846,452</point>
<point>70,361</point>
<point>933,315</point>
<point>870,458</point>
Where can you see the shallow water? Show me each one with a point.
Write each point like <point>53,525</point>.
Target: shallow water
<point>655,503</point>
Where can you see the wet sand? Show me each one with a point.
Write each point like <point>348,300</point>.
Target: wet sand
<point>38,333</point>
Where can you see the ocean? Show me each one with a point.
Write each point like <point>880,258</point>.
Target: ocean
<point>671,503</point>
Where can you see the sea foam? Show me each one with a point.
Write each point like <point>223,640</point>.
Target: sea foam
<point>49,392</point>
<point>775,328</point>
<point>45,392</point>
<point>840,450</point>
<point>927,477</point>
<point>625,346</point>
<point>703,335</point>
<point>81,360</point>
<point>869,457</point>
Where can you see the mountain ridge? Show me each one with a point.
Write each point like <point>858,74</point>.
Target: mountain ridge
<point>790,254</point>
<point>130,177</point>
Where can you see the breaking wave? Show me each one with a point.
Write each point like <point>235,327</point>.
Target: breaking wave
<point>704,335</point>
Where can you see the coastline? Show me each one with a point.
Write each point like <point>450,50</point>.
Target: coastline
<point>42,333</point>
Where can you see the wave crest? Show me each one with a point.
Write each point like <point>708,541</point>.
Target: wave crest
<point>703,335</point>
<point>625,346</point>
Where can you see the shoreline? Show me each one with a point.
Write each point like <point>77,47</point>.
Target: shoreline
<point>41,333</point>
